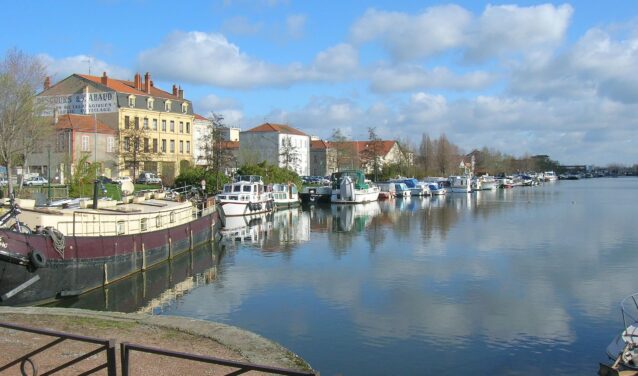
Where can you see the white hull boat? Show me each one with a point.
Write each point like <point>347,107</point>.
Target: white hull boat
<point>350,187</point>
<point>246,196</point>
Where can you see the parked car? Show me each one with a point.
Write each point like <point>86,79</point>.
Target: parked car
<point>148,178</point>
<point>3,182</point>
<point>122,179</point>
<point>36,181</point>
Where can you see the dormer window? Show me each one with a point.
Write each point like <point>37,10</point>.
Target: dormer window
<point>149,103</point>
<point>131,100</point>
<point>167,106</point>
<point>184,108</point>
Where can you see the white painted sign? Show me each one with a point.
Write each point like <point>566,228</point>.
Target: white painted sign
<point>84,103</point>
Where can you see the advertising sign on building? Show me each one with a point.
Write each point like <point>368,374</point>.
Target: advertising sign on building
<point>83,103</point>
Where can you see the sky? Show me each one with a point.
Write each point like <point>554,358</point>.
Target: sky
<point>524,78</point>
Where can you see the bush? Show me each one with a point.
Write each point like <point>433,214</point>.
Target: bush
<point>271,174</point>
<point>194,175</point>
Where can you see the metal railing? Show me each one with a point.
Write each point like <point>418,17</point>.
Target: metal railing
<point>29,366</point>
<point>241,367</point>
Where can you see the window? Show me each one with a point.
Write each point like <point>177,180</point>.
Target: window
<point>163,146</point>
<point>127,122</point>
<point>171,217</point>
<point>163,125</point>
<point>184,108</point>
<point>172,126</point>
<point>172,146</point>
<point>167,106</point>
<point>120,227</point>
<point>110,144</point>
<point>143,224</point>
<point>181,147</point>
<point>131,100</point>
<point>154,145</point>
<point>181,127</point>
<point>145,123</point>
<point>137,123</point>
<point>127,143</point>
<point>154,124</point>
<point>149,103</point>
<point>188,127</point>
<point>158,221</point>
<point>146,145</point>
<point>85,143</point>
<point>188,146</point>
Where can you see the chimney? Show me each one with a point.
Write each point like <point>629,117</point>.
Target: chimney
<point>152,84</point>
<point>47,82</point>
<point>181,93</point>
<point>147,82</point>
<point>174,90</point>
<point>55,116</point>
<point>105,79</point>
<point>138,81</point>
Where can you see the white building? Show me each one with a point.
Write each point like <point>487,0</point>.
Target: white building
<point>201,127</point>
<point>277,144</point>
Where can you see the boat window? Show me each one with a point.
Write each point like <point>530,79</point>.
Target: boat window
<point>227,189</point>
<point>247,188</point>
<point>121,228</point>
<point>143,225</point>
<point>237,188</point>
<point>158,221</point>
<point>171,217</point>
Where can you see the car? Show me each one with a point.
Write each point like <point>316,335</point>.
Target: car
<point>122,179</point>
<point>36,181</point>
<point>3,182</point>
<point>105,180</point>
<point>148,178</point>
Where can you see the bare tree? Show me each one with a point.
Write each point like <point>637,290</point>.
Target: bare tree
<point>343,150</point>
<point>20,75</point>
<point>216,156</point>
<point>137,146</point>
<point>289,154</point>
<point>371,155</point>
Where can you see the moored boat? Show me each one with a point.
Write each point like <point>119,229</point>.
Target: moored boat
<point>245,196</point>
<point>315,194</point>
<point>285,195</point>
<point>77,248</point>
<point>350,187</point>
<point>386,190</point>
<point>460,184</point>
<point>623,349</point>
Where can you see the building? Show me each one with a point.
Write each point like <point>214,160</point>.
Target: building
<point>277,144</point>
<point>362,154</point>
<point>158,122</point>
<point>322,158</point>
<point>75,136</point>
<point>201,129</point>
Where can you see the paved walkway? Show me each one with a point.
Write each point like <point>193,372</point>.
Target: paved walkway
<point>168,332</point>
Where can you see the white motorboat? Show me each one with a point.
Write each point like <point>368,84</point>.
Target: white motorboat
<point>402,190</point>
<point>487,183</point>
<point>460,184</point>
<point>436,189</point>
<point>386,190</point>
<point>623,350</point>
<point>246,196</point>
<point>285,195</point>
<point>550,176</point>
<point>350,187</point>
<point>416,187</point>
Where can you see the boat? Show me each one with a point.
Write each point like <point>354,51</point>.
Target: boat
<point>549,176</point>
<point>416,187</point>
<point>623,349</point>
<point>81,246</point>
<point>285,195</point>
<point>351,187</point>
<point>386,190</point>
<point>246,195</point>
<point>460,184</point>
<point>436,189</point>
<point>402,190</point>
<point>487,183</point>
<point>315,194</point>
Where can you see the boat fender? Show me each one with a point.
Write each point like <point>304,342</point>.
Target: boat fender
<point>37,259</point>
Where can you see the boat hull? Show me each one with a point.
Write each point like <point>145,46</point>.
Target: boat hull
<point>237,208</point>
<point>89,262</point>
<point>359,197</point>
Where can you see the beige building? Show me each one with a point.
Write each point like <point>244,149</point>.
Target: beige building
<point>160,122</point>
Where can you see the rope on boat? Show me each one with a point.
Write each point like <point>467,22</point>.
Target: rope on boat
<point>57,238</point>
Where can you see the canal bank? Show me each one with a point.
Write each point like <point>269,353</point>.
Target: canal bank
<point>166,332</point>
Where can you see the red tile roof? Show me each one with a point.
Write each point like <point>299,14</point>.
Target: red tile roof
<point>83,123</point>
<point>279,128</point>
<point>230,145</point>
<point>318,144</point>
<point>200,117</point>
<point>123,86</point>
<point>383,147</point>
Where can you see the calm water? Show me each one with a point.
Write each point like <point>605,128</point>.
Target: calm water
<point>524,281</point>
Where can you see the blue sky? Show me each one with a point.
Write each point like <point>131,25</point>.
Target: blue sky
<point>524,78</point>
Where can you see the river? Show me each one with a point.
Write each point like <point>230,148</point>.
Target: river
<point>523,281</point>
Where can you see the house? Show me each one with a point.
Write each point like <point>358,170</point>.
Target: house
<point>322,158</point>
<point>201,129</point>
<point>363,154</point>
<point>277,144</point>
<point>153,126</point>
<point>75,136</point>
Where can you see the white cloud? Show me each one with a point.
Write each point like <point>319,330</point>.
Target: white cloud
<point>241,26</point>
<point>435,30</point>
<point>414,77</point>
<point>60,69</point>
<point>295,25</point>
<point>338,60</point>
<point>229,108</point>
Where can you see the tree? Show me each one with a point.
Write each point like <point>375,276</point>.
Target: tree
<point>20,112</point>
<point>289,155</point>
<point>372,153</point>
<point>136,147</point>
<point>344,153</point>
<point>216,156</point>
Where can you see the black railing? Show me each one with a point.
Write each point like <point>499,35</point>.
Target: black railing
<point>241,367</point>
<point>29,367</point>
